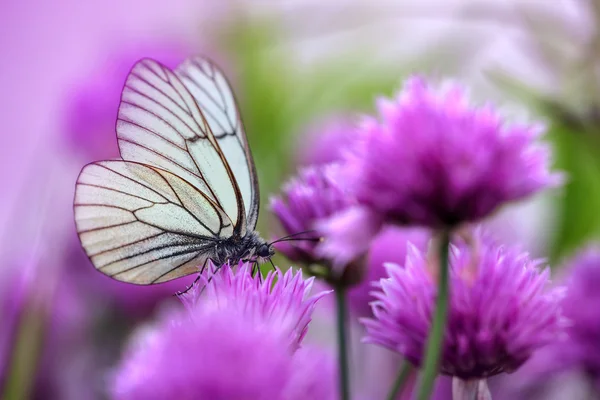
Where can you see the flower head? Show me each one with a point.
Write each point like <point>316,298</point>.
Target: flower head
<point>500,310</point>
<point>308,199</point>
<point>221,355</point>
<point>579,353</point>
<point>326,141</point>
<point>582,307</point>
<point>280,298</point>
<point>435,160</point>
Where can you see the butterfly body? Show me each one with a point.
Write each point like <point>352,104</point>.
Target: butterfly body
<point>250,247</point>
<point>185,191</point>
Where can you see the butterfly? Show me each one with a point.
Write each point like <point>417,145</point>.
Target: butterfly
<point>185,191</point>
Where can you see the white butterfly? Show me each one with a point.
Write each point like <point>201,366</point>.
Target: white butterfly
<point>186,190</point>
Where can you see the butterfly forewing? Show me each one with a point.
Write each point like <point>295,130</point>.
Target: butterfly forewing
<point>141,224</point>
<point>161,124</point>
<point>214,95</point>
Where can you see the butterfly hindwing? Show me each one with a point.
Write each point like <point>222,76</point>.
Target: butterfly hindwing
<point>144,225</point>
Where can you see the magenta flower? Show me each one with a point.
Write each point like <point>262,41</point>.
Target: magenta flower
<point>578,355</point>
<point>280,298</point>
<point>433,159</point>
<point>308,199</point>
<point>221,356</point>
<point>582,307</point>
<point>233,343</point>
<point>327,141</point>
<point>500,309</point>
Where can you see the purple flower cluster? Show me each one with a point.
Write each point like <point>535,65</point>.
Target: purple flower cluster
<point>232,342</point>
<point>582,307</point>
<point>433,159</point>
<point>327,141</point>
<point>579,352</point>
<point>221,356</point>
<point>308,199</point>
<point>429,165</point>
<point>281,299</point>
<point>501,309</point>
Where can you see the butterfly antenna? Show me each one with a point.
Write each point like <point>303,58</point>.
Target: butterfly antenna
<point>298,240</point>
<point>293,237</point>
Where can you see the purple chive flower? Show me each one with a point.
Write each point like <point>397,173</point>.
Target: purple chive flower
<point>390,245</point>
<point>500,309</point>
<point>280,298</point>
<point>326,141</point>
<point>433,159</point>
<point>582,307</point>
<point>220,350</point>
<point>308,199</point>
<point>578,355</point>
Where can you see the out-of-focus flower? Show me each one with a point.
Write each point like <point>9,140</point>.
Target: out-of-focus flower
<point>577,357</point>
<point>500,309</point>
<point>582,307</point>
<point>16,287</point>
<point>92,110</point>
<point>44,324</point>
<point>67,328</point>
<point>326,141</point>
<point>390,246</point>
<point>219,349</point>
<point>435,160</point>
<point>280,298</point>
<point>308,199</point>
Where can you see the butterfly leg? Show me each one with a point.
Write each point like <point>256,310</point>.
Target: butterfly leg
<point>256,271</point>
<point>195,280</point>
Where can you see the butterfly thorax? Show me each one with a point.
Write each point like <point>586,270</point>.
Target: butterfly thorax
<point>250,247</point>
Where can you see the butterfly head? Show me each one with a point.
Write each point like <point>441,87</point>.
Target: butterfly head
<point>264,252</point>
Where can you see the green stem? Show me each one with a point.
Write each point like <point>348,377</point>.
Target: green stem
<point>405,370</point>
<point>340,298</point>
<point>436,335</point>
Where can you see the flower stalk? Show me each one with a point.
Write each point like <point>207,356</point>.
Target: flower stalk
<point>405,371</point>
<point>438,327</point>
<point>342,340</point>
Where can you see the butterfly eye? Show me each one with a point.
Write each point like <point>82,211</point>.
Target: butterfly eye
<point>264,251</point>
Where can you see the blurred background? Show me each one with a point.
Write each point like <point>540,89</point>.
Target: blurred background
<point>297,66</point>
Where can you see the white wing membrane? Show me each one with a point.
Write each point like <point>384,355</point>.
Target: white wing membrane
<point>161,124</point>
<point>187,181</point>
<point>214,96</point>
<point>144,225</point>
